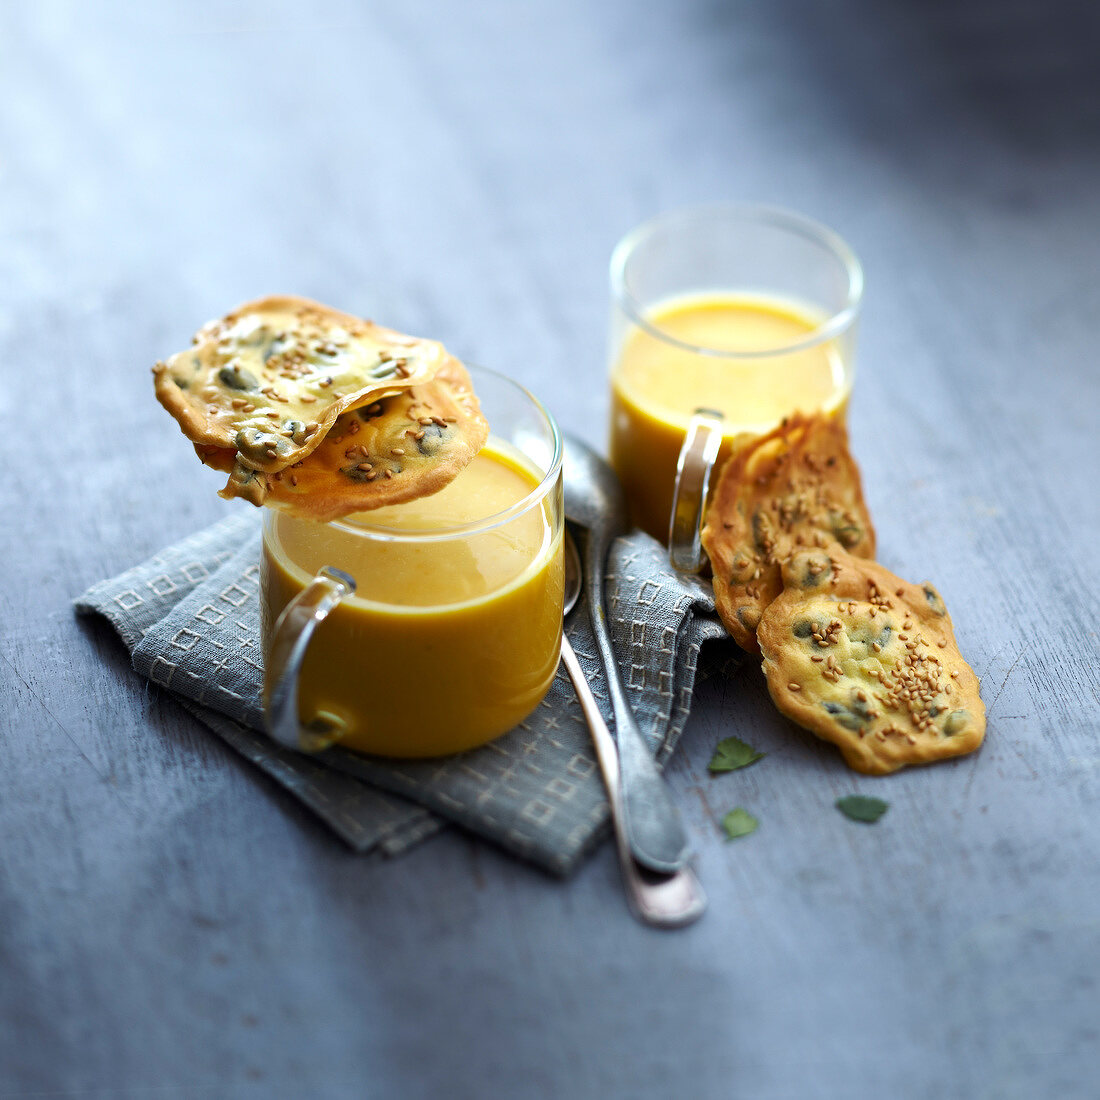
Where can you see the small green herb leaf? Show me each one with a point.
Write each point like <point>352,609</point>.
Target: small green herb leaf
<point>739,822</point>
<point>731,754</point>
<point>862,807</point>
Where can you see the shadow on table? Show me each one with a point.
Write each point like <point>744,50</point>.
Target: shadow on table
<point>1015,74</point>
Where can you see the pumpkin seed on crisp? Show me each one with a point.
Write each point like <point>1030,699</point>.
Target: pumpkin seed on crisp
<point>237,378</point>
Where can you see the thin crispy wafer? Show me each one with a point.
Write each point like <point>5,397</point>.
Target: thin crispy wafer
<point>398,448</point>
<point>269,379</point>
<point>797,486</point>
<point>869,662</point>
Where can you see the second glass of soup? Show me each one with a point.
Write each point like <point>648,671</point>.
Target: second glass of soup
<point>743,310</point>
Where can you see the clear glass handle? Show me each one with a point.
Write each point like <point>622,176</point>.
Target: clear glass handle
<point>693,470</point>
<point>289,641</point>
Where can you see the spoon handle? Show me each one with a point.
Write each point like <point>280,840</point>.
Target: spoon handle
<point>664,901</point>
<point>651,820</point>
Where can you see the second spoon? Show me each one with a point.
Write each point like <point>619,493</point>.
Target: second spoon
<point>662,900</point>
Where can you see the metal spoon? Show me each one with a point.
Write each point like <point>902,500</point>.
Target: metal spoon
<point>663,900</point>
<point>594,499</point>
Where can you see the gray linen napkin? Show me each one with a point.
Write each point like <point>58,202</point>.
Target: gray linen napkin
<point>190,618</point>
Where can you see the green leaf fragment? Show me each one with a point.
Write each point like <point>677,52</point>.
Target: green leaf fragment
<point>731,754</point>
<point>862,807</point>
<point>739,822</point>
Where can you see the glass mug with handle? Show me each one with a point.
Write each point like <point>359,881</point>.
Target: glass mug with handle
<point>429,627</point>
<point>724,320</point>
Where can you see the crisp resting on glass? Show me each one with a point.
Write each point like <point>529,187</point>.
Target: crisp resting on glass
<point>411,571</point>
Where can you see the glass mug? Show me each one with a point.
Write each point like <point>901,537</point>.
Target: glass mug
<point>428,627</point>
<point>724,320</point>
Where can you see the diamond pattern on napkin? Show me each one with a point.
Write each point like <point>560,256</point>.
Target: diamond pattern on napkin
<point>190,617</point>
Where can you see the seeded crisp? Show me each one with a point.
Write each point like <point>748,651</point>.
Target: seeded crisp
<point>268,380</point>
<point>869,662</point>
<point>398,448</point>
<point>796,487</point>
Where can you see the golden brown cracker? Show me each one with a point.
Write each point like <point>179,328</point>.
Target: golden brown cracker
<point>401,447</point>
<point>797,486</point>
<point>869,662</point>
<point>269,379</point>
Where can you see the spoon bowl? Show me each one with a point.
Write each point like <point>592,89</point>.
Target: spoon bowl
<point>593,496</point>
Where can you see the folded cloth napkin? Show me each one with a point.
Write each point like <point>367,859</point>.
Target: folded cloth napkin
<point>191,620</point>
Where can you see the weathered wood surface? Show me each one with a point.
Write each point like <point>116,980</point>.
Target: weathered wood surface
<point>173,925</point>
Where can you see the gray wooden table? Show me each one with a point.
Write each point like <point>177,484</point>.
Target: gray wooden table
<point>172,924</point>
